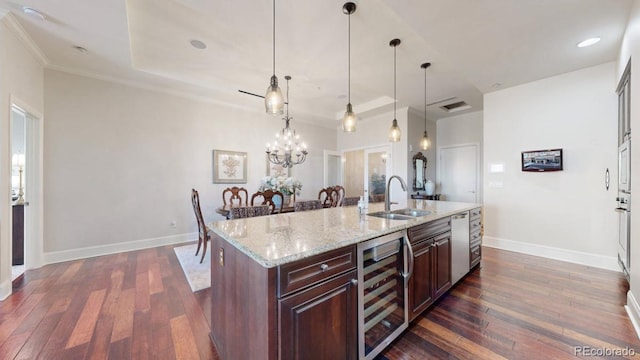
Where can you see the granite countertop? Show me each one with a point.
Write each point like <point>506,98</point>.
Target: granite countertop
<point>282,238</point>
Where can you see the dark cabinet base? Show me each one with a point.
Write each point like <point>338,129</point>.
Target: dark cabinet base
<point>18,235</point>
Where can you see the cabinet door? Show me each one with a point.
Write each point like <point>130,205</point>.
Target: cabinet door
<point>421,282</point>
<point>442,266</point>
<point>321,322</point>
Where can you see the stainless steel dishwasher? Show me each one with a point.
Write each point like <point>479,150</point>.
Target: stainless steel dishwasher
<point>459,246</point>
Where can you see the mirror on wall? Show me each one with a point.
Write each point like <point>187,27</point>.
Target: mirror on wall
<point>419,171</point>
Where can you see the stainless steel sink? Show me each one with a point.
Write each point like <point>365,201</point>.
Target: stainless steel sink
<point>401,214</point>
<point>390,215</point>
<point>412,212</point>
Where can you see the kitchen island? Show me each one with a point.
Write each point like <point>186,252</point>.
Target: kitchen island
<point>285,286</point>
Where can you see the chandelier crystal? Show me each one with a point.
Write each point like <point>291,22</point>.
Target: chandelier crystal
<point>287,150</point>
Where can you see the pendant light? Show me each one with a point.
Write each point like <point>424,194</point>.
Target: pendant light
<point>425,143</point>
<point>394,132</point>
<point>273,100</point>
<point>349,120</point>
<point>287,150</point>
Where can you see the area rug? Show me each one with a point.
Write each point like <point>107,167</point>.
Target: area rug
<point>198,274</point>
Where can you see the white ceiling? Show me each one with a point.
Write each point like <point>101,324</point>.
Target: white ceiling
<point>473,45</point>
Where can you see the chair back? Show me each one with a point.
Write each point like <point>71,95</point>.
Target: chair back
<point>339,191</point>
<point>249,211</point>
<point>267,199</point>
<point>327,197</point>
<point>235,194</point>
<point>350,200</point>
<point>305,205</point>
<point>202,227</point>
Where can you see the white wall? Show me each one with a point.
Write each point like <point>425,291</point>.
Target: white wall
<point>630,49</point>
<point>374,131</point>
<point>21,78</point>
<point>462,129</point>
<point>566,214</point>
<point>120,162</point>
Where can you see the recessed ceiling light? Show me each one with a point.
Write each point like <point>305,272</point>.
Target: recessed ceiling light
<point>588,42</point>
<point>198,44</point>
<point>33,13</point>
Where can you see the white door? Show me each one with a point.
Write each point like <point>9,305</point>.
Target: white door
<point>377,164</point>
<point>458,174</point>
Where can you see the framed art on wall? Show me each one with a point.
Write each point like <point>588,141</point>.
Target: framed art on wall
<point>276,170</point>
<point>229,167</point>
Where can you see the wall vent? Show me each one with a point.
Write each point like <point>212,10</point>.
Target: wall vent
<point>456,106</point>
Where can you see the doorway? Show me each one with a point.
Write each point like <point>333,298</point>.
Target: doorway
<point>458,172</point>
<point>366,171</point>
<point>26,182</point>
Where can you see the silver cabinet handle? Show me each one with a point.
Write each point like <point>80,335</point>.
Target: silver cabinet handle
<point>460,216</point>
<point>324,267</point>
<point>354,282</point>
<point>407,276</point>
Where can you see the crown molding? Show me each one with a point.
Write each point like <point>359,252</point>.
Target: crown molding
<point>14,25</point>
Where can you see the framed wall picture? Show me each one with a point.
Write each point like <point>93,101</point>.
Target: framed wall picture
<point>229,167</point>
<point>542,160</point>
<point>276,170</point>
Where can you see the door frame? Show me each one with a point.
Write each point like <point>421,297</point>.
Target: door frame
<point>34,140</point>
<point>326,154</point>
<point>476,146</point>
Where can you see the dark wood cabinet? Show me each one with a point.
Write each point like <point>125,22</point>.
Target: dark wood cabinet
<point>321,322</point>
<point>18,235</point>
<point>425,197</point>
<point>431,243</point>
<point>305,309</point>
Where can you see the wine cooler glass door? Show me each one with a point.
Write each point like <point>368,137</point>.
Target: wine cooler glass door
<point>382,311</point>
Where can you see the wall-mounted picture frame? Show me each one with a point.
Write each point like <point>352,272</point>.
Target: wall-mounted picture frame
<point>229,167</point>
<point>276,170</point>
<point>542,160</point>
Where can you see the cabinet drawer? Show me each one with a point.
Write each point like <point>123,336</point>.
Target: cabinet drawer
<point>475,238</point>
<point>475,254</point>
<point>475,213</point>
<point>429,229</point>
<point>296,275</point>
<point>474,225</point>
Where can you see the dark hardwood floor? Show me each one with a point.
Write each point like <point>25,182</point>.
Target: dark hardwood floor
<point>138,305</point>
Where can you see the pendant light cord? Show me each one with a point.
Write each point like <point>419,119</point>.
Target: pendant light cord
<point>274,37</point>
<point>349,57</point>
<point>395,99</point>
<point>425,98</point>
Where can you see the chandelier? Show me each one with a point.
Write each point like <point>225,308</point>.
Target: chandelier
<point>287,150</point>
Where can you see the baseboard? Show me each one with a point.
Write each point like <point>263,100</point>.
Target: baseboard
<point>5,289</point>
<point>633,310</point>
<point>577,257</point>
<point>83,253</point>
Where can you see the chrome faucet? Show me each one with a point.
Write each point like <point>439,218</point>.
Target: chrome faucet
<point>387,200</point>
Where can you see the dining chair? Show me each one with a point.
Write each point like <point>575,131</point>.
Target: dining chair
<point>340,192</point>
<point>203,233</point>
<point>305,205</point>
<point>327,197</point>
<point>350,200</point>
<point>249,211</point>
<point>268,199</point>
<point>235,195</point>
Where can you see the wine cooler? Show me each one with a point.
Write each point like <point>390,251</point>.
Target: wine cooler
<point>382,301</point>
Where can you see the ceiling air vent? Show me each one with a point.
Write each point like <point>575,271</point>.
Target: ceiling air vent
<point>456,106</point>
